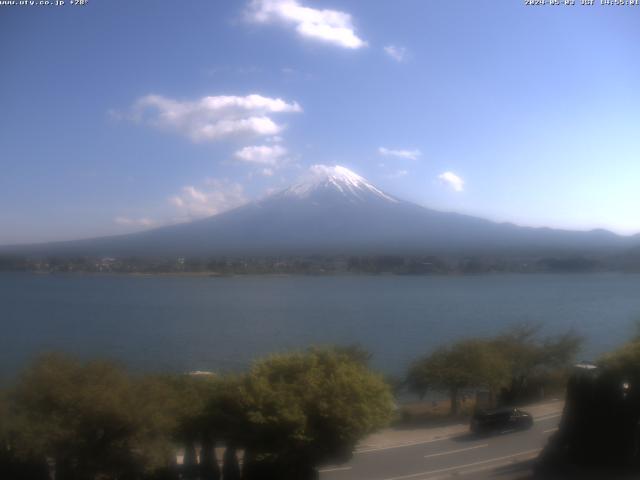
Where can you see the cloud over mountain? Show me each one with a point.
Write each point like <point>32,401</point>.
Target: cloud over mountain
<point>214,118</point>
<point>214,197</point>
<point>261,154</point>
<point>410,154</point>
<point>452,180</point>
<point>399,54</point>
<point>330,26</point>
<point>138,222</point>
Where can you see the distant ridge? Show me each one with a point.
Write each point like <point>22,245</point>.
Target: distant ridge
<point>335,211</point>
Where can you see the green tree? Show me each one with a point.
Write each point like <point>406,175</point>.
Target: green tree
<point>224,416</point>
<point>187,401</point>
<point>4,421</point>
<point>530,357</point>
<point>302,409</point>
<point>465,364</point>
<point>88,418</point>
<point>623,362</point>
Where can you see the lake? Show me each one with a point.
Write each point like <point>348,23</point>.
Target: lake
<point>207,323</point>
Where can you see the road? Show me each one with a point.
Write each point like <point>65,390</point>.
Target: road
<point>504,456</point>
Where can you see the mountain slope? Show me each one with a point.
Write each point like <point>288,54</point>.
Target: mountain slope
<point>336,211</point>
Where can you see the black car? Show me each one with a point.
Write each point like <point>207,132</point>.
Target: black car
<point>500,419</point>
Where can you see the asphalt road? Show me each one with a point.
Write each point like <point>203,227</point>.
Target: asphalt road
<point>502,456</point>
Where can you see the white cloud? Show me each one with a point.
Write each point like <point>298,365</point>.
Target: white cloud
<point>453,180</point>
<point>397,174</point>
<point>331,26</point>
<point>215,196</point>
<point>212,197</point>
<point>262,154</point>
<point>138,222</point>
<point>399,54</point>
<point>214,118</point>
<point>410,154</point>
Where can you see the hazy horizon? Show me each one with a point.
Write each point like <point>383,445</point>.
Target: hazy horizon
<point>305,179</point>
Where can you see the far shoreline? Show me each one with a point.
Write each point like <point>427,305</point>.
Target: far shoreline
<point>312,274</point>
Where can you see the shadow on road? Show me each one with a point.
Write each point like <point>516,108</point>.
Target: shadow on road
<point>418,424</point>
<point>469,437</point>
<point>515,471</point>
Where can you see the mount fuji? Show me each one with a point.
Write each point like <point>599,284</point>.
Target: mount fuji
<point>336,211</point>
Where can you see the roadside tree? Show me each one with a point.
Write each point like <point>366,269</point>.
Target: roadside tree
<point>464,365</point>
<point>185,401</point>
<point>533,359</point>
<point>303,409</point>
<point>87,419</point>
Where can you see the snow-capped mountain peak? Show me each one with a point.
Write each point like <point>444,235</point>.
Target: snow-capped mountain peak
<point>336,178</point>
<point>334,211</point>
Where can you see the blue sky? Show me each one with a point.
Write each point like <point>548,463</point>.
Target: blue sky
<point>118,116</point>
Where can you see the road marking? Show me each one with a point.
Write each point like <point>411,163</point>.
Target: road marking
<point>550,430</point>
<point>547,417</point>
<point>456,451</point>
<point>334,469</point>
<point>458,467</point>
<point>487,467</point>
<point>408,444</point>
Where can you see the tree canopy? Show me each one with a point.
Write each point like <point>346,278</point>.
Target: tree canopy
<point>531,356</point>
<point>624,362</point>
<point>465,364</point>
<point>505,363</point>
<point>88,417</point>
<point>95,420</point>
<point>301,409</point>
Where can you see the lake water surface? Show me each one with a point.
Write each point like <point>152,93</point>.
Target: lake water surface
<point>200,323</point>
